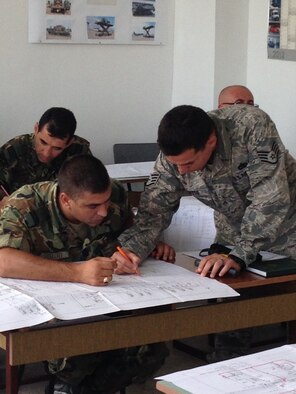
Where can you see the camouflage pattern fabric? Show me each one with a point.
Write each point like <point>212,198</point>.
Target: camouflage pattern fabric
<point>230,344</point>
<point>31,221</point>
<point>19,164</point>
<point>250,182</point>
<point>108,372</point>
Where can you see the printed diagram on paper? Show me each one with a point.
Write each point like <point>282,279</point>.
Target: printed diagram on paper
<point>160,283</point>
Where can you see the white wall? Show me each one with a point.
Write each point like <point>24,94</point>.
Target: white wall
<point>194,53</point>
<point>273,81</point>
<point>118,93</point>
<point>231,44</point>
<point>223,42</point>
<point>210,49</point>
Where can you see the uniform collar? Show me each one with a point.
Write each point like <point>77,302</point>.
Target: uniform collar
<point>223,149</point>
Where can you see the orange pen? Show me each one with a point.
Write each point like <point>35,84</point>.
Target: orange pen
<point>122,252</point>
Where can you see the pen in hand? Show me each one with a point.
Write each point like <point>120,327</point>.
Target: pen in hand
<point>122,252</point>
<point>4,190</point>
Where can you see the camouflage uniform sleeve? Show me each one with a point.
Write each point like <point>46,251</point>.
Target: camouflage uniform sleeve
<point>121,213</point>
<point>13,231</point>
<point>269,194</point>
<point>159,202</point>
<point>7,161</point>
<point>14,156</point>
<point>80,146</point>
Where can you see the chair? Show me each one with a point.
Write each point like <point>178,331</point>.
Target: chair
<point>135,152</point>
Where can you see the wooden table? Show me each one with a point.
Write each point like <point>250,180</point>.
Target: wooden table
<point>170,388</point>
<point>262,301</point>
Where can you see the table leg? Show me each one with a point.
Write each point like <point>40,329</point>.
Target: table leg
<point>12,374</point>
<point>292,331</point>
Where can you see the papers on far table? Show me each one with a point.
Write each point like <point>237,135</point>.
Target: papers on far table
<point>269,372</point>
<point>160,283</point>
<point>130,170</point>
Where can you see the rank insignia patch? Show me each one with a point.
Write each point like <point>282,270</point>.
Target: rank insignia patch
<point>153,179</point>
<point>270,157</point>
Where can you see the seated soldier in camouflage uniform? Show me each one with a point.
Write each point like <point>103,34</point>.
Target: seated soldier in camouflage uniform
<point>37,157</point>
<point>44,229</point>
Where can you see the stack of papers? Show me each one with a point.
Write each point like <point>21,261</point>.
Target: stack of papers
<point>26,303</point>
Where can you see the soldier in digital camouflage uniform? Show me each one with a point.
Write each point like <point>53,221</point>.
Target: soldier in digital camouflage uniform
<point>236,343</point>
<point>233,160</point>
<point>37,157</point>
<point>46,227</point>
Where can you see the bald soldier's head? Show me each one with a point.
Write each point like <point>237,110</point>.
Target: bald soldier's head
<point>235,94</point>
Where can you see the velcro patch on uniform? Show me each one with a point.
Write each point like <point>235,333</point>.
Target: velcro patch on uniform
<point>153,178</point>
<point>271,156</point>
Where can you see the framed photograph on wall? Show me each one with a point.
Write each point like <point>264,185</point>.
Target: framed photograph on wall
<point>281,38</point>
<point>142,22</point>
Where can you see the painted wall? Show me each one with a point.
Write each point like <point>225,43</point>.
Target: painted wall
<point>118,93</point>
<point>194,53</point>
<point>210,49</point>
<point>231,44</point>
<point>223,42</point>
<point>273,81</point>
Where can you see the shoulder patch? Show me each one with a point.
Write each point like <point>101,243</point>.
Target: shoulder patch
<point>271,156</point>
<point>153,178</point>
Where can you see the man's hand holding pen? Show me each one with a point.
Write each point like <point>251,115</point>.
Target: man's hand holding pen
<point>127,262</point>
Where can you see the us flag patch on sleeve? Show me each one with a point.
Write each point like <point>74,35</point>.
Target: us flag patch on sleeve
<point>153,178</point>
<point>270,157</point>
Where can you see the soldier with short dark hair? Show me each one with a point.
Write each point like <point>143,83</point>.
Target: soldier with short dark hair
<point>48,226</point>
<point>233,160</point>
<point>37,157</point>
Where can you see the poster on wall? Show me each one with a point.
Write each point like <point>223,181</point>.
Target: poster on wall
<point>281,39</point>
<point>98,21</point>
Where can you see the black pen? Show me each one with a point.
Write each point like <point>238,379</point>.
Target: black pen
<point>232,272</point>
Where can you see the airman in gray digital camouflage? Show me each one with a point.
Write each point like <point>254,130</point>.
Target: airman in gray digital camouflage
<point>44,229</point>
<point>233,160</point>
<point>37,157</point>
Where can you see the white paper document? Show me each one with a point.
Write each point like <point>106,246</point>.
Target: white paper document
<point>160,283</point>
<point>19,310</point>
<point>269,372</point>
<point>130,170</point>
<point>192,226</point>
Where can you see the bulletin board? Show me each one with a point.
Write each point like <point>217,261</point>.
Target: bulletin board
<point>98,21</point>
<point>281,40</point>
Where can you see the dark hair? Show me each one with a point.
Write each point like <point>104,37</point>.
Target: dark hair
<point>60,122</point>
<point>184,127</point>
<point>82,173</point>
